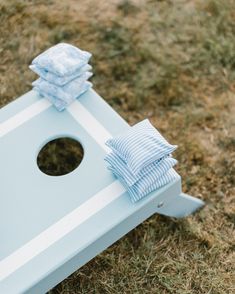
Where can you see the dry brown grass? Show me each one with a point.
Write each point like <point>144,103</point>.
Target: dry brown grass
<point>171,61</point>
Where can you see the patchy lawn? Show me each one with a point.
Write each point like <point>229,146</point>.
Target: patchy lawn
<point>170,61</point>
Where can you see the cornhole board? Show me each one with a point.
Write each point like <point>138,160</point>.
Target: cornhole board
<point>51,226</point>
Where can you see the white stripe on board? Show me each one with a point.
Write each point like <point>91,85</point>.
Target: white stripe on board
<point>61,228</point>
<point>89,208</point>
<point>90,124</point>
<point>23,116</point>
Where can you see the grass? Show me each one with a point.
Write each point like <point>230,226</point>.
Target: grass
<point>170,61</point>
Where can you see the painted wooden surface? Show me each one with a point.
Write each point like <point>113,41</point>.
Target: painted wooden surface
<point>51,226</point>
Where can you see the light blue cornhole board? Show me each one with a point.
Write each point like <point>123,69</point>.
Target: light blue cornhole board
<point>51,226</point>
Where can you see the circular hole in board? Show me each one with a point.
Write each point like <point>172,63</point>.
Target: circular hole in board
<point>60,156</point>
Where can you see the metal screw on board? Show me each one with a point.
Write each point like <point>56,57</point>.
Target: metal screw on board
<point>160,204</point>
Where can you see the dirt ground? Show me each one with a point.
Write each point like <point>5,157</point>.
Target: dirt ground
<point>174,63</point>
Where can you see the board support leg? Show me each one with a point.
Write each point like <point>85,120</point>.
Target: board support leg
<point>180,206</point>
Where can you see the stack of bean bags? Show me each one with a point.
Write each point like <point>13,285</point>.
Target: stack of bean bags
<point>64,72</point>
<point>141,159</point>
